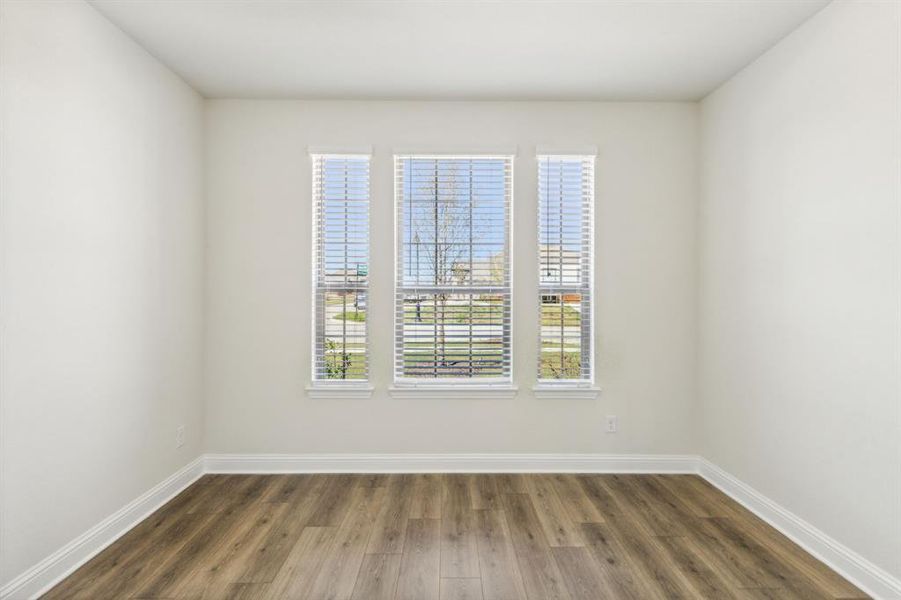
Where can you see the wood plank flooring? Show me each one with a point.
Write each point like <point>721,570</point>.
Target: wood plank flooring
<point>453,537</point>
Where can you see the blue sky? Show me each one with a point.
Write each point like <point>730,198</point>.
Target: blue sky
<point>471,219</point>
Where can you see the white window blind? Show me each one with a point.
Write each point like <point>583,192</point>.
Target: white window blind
<point>340,267</point>
<point>565,260</point>
<point>452,306</point>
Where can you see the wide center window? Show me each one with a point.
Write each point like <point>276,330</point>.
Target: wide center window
<point>452,306</point>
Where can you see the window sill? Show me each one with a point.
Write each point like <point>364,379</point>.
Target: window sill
<point>565,392</point>
<point>349,392</point>
<point>457,392</point>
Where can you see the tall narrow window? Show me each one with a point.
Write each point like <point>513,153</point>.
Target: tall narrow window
<point>452,307</point>
<point>341,267</point>
<point>565,260</point>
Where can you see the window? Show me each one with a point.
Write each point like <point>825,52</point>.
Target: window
<point>565,260</point>
<point>340,268</point>
<point>452,306</point>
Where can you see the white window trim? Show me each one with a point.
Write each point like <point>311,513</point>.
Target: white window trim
<point>575,151</point>
<point>318,390</point>
<point>565,391</point>
<point>465,387</point>
<point>457,152</point>
<point>361,151</point>
<point>442,391</point>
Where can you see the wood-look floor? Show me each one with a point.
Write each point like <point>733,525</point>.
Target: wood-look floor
<point>453,537</point>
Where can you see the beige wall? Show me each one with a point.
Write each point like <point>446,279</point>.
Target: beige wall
<point>102,222</point>
<point>800,298</point>
<point>258,278</point>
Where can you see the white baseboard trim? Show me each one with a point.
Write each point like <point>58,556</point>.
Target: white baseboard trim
<point>450,463</point>
<point>53,569</point>
<point>850,565</point>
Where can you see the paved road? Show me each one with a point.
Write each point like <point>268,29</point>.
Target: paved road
<point>424,331</point>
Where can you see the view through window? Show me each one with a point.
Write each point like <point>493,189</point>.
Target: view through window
<point>453,268</point>
<point>565,261</point>
<point>341,267</point>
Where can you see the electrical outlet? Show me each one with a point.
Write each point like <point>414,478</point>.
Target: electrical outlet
<point>611,423</point>
<point>179,436</point>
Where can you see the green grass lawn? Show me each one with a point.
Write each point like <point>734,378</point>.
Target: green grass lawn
<point>553,368</point>
<point>347,365</point>
<point>482,314</point>
<point>421,363</point>
<point>455,314</point>
<point>550,315</point>
<point>453,363</point>
<point>350,366</point>
<point>356,316</point>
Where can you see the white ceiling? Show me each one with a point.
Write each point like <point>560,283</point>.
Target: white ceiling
<point>458,49</point>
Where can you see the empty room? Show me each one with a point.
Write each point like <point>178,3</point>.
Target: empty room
<point>450,299</point>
